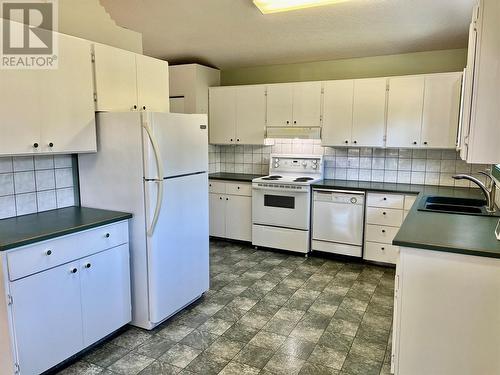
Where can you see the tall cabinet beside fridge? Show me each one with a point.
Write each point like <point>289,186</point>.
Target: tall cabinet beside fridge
<point>155,165</point>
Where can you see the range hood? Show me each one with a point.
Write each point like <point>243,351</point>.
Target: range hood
<point>293,132</point>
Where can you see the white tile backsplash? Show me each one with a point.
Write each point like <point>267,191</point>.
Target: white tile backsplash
<point>32,184</point>
<point>416,166</point>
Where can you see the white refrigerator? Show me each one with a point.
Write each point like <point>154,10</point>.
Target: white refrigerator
<point>155,165</point>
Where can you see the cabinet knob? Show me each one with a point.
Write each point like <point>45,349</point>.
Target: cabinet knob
<point>51,144</point>
<point>355,142</point>
<point>383,230</point>
<point>74,270</point>
<point>346,142</point>
<point>237,139</point>
<point>415,142</point>
<point>384,213</point>
<point>287,122</point>
<point>385,198</point>
<point>238,188</point>
<point>48,252</point>
<point>425,143</point>
<point>107,235</point>
<point>382,248</point>
<point>227,199</point>
<point>35,145</point>
<point>144,107</point>
<point>294,122</point>
<point>231,139</point>
<point>220,198</point>
<point>135,106</point>
<point>88,265</point>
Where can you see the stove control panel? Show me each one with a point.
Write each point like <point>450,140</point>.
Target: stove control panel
<point>290,164</point>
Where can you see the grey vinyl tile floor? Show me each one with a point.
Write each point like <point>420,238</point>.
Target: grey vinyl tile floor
<point>266,313</point>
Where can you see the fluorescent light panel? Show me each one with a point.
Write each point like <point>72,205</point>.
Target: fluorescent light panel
<point>274,6</point>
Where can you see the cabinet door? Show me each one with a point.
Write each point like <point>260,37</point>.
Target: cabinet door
<point>152,84</point>
<point>441,110</point>
<point>217,213</point>
<point>307,104</point>
<point>68,109</point>
<point>337,113</point>
<point>222,115</point>
<point>239,218</point>
<point>105,285</point>
<point>21,111</point>
<point>47,318</point>
<point>368,126</point>
<point>115,79</point>
<point>404,112</point>
<point>250,115</point>
<point>279,104</point>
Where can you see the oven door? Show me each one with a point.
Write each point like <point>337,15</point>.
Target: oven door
<point>281,207</point>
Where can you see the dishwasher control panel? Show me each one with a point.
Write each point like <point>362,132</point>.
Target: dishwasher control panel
<point>339,197</point>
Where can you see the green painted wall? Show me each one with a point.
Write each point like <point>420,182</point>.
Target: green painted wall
<point>365,67</point>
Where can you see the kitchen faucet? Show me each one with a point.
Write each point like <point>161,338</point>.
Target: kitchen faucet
<point>488,192</point>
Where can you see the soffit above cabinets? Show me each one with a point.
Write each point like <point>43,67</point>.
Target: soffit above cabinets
<point>233,33</point>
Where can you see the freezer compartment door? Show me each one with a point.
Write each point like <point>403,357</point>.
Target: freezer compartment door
<point>181,144</point>
<point>178,255</point>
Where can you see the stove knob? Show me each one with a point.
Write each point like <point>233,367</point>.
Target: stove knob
<point>315,167</point>
<point>276,165</point>
<point>354,200</point>
<point>304,164</point>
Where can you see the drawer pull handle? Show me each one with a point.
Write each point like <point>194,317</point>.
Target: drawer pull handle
<point>107,235</point>
<point>88,265</point>
<point>48,252</point>
<point>74,270</point>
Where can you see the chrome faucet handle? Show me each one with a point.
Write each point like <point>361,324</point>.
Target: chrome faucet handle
<point>491,182</point>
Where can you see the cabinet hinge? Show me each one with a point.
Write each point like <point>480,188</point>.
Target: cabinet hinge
<point>17,368</point>
<point>95,97</point>
<point>387,87</point>
<point>92,57</point>
<point>322,90</point>
<point>10,300</point>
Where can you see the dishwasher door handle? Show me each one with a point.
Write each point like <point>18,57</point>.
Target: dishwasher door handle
<point>324,191</point>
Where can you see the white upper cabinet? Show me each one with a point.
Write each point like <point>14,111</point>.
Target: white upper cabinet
<point>279,104</point>
<point>152,84</point>
<point>222,115</point>
<point>250,114</point>
<point>68,109</point>
<point>294,104</point>
<point>237,115</point>
<point>337,113</point>
<point>441,110</point>
<point>307,104</point>
<point>115,78</point>
<point>368,123</point>
<point>404,111</point>
<point>480,140</point>
<point>126,81</point>
<point>60,118</point>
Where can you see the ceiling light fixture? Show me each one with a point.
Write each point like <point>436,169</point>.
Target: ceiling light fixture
<point>274,6</point>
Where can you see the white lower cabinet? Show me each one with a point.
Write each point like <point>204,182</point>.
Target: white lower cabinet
<point>60,309</point>
<point>230,210</point>
<point>385,212</point>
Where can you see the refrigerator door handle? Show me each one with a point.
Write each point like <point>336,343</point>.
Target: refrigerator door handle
<point>159,180</point>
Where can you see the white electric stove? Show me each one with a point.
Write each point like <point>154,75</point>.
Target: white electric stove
<point>281,202</point>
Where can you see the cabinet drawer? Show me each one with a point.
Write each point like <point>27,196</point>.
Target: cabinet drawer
<point>216,187</point>
<point>239,189</point>
<point>381,252</point>
<point>384,216</point>
<point>409,201</point>
<point>380,233</point>
<point>385,200</point>
<point>31,259</point>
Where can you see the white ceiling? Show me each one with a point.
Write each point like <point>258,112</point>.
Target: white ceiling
<point>233,33</point>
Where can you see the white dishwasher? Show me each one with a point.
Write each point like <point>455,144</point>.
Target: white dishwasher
<point>338,221</point>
